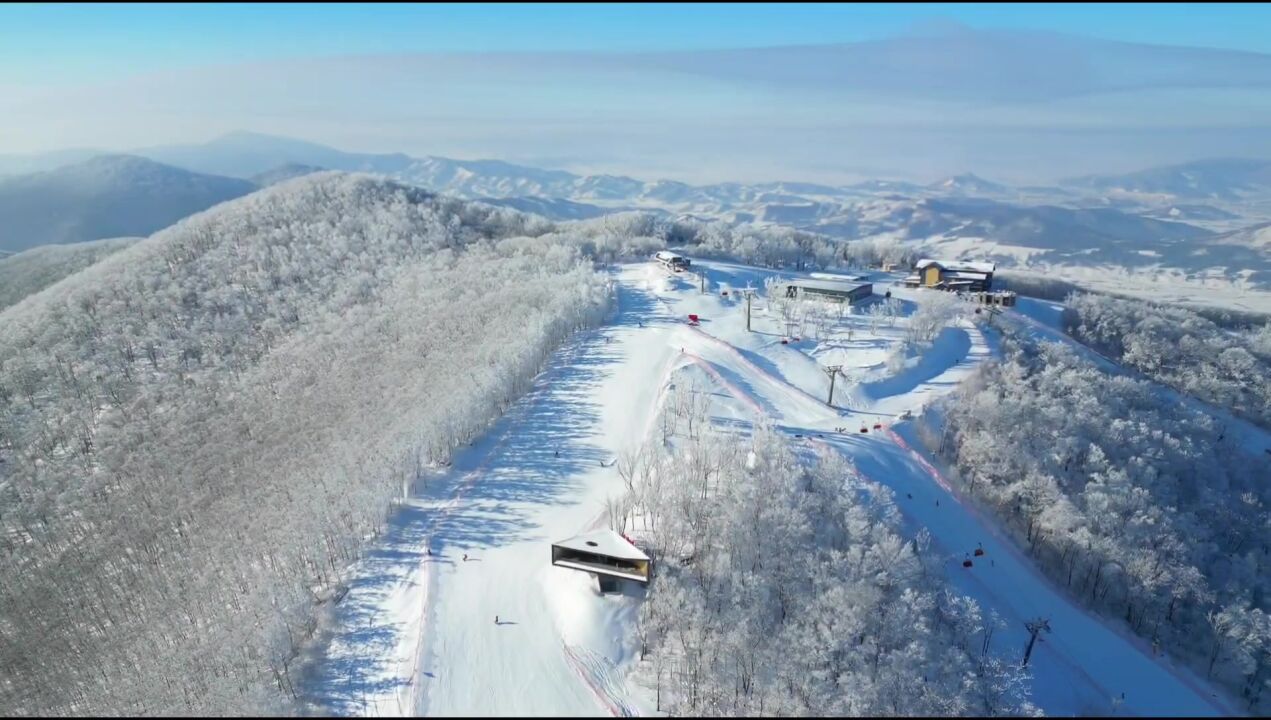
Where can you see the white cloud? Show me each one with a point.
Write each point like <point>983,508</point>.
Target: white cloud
<point>823,114</point>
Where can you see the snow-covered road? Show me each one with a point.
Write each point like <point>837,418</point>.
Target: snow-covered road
<point>418,632</point>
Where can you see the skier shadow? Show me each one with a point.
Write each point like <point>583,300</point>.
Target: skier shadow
<point>507,622</point>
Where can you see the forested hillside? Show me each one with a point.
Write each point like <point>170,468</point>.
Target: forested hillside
<point>788,589</point>
<point>639,233</point>
<point>1181,349</point>
<point>1145,510</point>
<point>199,432</point>
<point>105,197</point>
<point>32,270</point>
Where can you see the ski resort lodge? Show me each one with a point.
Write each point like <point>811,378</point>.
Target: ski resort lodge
<point>605,554</point>
<point>831,290</point>
<point>951,275</point>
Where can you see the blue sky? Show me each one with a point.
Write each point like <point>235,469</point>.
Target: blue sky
<point>948,87</point>
<point>87,43</point>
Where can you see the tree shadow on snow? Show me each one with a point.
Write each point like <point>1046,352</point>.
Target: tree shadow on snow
<point>536,454</point>
<point>950,350</point>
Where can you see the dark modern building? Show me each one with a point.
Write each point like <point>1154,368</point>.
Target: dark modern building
<point>827,290</point>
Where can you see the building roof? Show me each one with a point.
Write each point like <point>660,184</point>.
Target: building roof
<point>828,285</point>
<point>962,275</point>
<point>841,278</point>
<point>603,542</point>
<point>958,266</point>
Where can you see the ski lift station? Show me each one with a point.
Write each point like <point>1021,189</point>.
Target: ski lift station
<point>605,554</point>
<point>951,275</point>
<point>854,277</point>
<point>826,290</point>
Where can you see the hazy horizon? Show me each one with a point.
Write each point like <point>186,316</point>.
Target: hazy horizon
<point>698,94</point>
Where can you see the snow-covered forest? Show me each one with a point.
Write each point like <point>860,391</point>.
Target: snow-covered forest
<point>201,431</point>
<point>640,234</point>
<point>30,271</point>
<point>1148,511</point>
<point>1182,349</point>
<point>785,587</point>
<point>1037,286</point>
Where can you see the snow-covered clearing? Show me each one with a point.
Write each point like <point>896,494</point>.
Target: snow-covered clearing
<point>1216,288</point>
<point>416,632</point>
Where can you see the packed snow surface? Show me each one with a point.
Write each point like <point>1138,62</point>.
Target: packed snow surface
<point>417,632</point>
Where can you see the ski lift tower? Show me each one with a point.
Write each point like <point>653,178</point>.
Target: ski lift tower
<point>750,294</point>
<point>832,371</point>
<point>992,313</point>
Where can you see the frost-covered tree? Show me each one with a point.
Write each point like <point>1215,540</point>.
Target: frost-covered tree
<point>199,432</point>
<point>787,589</point>
<point>937,311</point>
<point>1180,348</point>
<point>1132,502</point>
<point>30,271</point>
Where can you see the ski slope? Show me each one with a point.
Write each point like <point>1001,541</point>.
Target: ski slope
<point>417,632</point>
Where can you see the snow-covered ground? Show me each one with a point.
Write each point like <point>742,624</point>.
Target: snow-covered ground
<point>417,632</point>
<point>1208,289</point>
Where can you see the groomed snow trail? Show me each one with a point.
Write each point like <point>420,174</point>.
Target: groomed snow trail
<point>548,480</point>
<point>420,633</point>
<point>1083,668</point>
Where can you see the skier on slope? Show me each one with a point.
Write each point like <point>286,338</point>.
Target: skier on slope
<point>465,557</point>
<point>496,619</point>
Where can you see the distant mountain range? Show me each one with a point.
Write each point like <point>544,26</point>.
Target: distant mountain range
<point>245,155</point>
<point>969,184</point>
<point>1189,217</point>
<point>283,173</point>
<point>265,159</point>
<point>103,197</point>
<point>40,162</point>
<point>1223,179</point>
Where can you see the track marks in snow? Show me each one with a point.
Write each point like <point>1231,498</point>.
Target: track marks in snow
<point>602,677</point>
